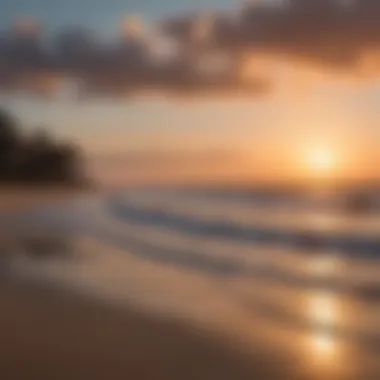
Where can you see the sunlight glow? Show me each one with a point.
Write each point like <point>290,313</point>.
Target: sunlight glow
<point>321,160</point>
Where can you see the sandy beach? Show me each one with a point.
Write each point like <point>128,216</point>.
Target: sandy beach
<point>54,334</point>
<point>17,199</point>
<point>46,336</point>
<point>97,296</point>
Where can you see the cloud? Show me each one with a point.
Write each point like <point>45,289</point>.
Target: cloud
<point>125,66</point>
<point>338,34</point>
<point>197,54</point>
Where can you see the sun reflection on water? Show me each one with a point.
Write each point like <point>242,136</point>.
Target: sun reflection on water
<point>323,309</point>
<point>324,315</point>
<point>323,343</point>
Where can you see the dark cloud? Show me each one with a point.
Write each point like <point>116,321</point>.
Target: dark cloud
<point>335,33</point>
<point>207,54</point>
<point>123,67</point>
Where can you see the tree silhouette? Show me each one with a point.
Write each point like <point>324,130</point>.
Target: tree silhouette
<point>8,145</point>
<point>36,158</point>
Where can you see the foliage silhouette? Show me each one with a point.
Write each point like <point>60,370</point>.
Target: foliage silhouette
<point>37,158</point>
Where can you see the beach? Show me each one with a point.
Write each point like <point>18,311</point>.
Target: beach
<point>50,333</point>
<point>18,199</point>
<point>45,335</point>
<point>156,285</point>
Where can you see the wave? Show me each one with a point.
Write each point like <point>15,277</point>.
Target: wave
<point>261,229</point>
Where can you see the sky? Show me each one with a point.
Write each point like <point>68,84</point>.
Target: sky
<point>254,134</point>
<point>104,16</point>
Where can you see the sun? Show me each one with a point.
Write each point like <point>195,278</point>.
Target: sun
<point>321,160</point>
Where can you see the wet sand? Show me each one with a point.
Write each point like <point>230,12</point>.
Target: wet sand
<point>17,199</point>
<point>45,335</point>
